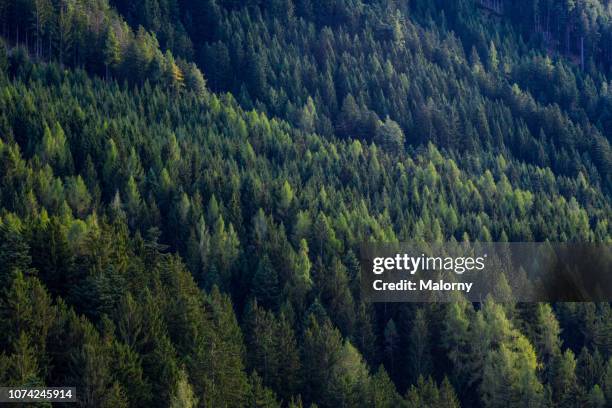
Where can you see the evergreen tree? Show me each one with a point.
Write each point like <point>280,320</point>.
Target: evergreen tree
<point>260,397</point>
<point>321,353</point>
<point>183,396</point>
<point>391,345</point>
<point>448,398</point>
<point>112,52</point>
<point>382,390</point>
<point>266,284</point>
<point>419,354</point>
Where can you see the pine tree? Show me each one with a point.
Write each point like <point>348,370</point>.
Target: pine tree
<point>448,398</point>
<point>173,76</point>
<point>351,376</point>
<point>24,369</point>
<point>261,330</point>
<point>391,345</point>
<point>510,357</point>
<point>565,384</point>
<point>308,116</point>
<point>423,394</point>
<point>390,136</point>
<point>52,256</point>
<point>363,335</point>
<point>230,383</point>
<point>349,117</point>
<point>78,196</point>
<point>419,354</point>
<point>286,195</point>
<point>115,397</point>
<point>260,396</point>
<point>128,369</point>
<point>14,251</point>
<point>547,330</point>
<point>25,309</point>
<point>589,368</point>
<point>112,52</point>
<point>288,378</point>
<point>321,352</point>
<point>493,57</point>
<point>183,396</point>
<point>607,380</point>
<point>266,284</point>
<point>300,281</point>
<point>382,392</point>
<point>455,339</point>
<point>338,298</point>
<point>194,80</point>
<point>596,398</point>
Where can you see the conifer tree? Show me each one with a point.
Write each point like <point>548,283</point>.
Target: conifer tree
<point>260,396</point>
<point>419,353</point>
<point>112,52</point>
<point>382,390</point>
<point>184,396</point>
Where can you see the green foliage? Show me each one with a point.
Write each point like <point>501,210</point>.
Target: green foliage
<point>183,397</point>
<point>382,390</point>
<point>343,70</point>
<point>163,245</point>
<point>261,397</point>
<point>419,358</point>
<point>390,136</point>
<point>75,34</point>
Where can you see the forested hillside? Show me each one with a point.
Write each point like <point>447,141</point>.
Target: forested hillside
<point>184,187</point>
<point>442,70</point>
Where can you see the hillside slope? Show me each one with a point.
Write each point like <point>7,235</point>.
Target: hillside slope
<point>166,244</point>
<point>442,70</point>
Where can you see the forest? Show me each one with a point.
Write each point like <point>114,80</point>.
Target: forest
<point>185,186</point>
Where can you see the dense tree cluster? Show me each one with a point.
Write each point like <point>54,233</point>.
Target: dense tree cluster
<point>442,70</point>
<point>164,245</point>
<point>91,34</point>
<point>580,29</point>
<point>272,216</point>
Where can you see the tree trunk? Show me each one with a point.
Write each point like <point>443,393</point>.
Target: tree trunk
<point>582,52</point>
<point>61,49</point>
<point>37,43</point>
